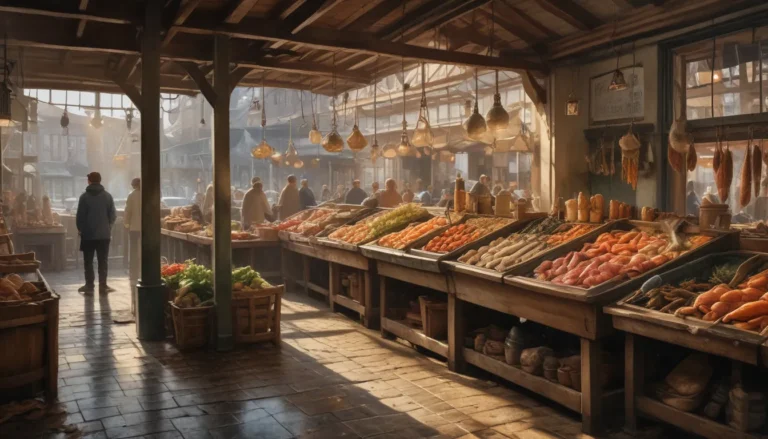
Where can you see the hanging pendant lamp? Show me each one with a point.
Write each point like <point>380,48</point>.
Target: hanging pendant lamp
<point>315,136</point>
<point>405,149</point>
<point>522,141</point>
<point>497,117</point>
<point>263,150</point>
<point>333,141</point>
<point>422,135</point>
<point>475,125</point>
<point>292,159</point>
<point>618,82</point>
<point>356,140</point>
<point>375,148</point>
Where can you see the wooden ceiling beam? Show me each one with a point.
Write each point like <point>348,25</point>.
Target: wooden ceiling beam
<point>512,28</point>
<point>374,15</point>
<point>236,10</point>
<point>515,15</point>
<point>205,87</point>
<point>431,15</point>
<point>103,13</point>
<point>186,9</point>
<point>81,25</point>
<point>305,15</point>
<point>571,12</point>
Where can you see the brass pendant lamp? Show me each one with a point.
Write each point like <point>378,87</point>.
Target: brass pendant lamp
<point>263,150</point>
<point>475,124</point>
<point>496,118</point>
<point>422,135</point>
<point>315,136</point>
<point>333,141</point>
<point>375,148</point>
<point>356,140</point>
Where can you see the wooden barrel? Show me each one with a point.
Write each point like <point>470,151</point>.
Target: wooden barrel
<point>29,348</point>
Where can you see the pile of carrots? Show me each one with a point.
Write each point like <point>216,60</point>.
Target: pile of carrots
<point>746,306</point>
<point>570,234</point>
<point>399,240</point>
<point>453,238</point>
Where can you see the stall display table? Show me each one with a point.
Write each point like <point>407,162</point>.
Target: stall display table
<point>261,255</point>
<point>337,259</point>
<point>53,239</point>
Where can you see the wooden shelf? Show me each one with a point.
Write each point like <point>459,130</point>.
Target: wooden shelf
<point>312,287</point>
<point>348,303</point>
<point>415,336</point>
<point>566,396</point>
<point>687,421</point>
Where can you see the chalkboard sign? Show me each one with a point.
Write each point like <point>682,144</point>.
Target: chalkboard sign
<point>617,106</point>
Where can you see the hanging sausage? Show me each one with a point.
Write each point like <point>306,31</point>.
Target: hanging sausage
<point>745,186</point>
<point>692,158</point>
<point>630,156</point>
<point>757,168</point>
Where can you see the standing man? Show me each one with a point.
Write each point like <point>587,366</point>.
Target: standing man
<point>255,208</point>
<point>95,218</point>
<point>289,199</point>
<point>306,196</point>
<point>355,195</point>
<point>132,220</point>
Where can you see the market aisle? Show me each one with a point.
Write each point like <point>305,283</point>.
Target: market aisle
<point>330,379</point>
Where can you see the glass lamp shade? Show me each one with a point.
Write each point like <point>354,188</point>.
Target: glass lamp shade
<point>291,154</point>
<point>315,136</point>
<point>405,149</point>
<point>422,135</point>
<point>276,158</point>
<point>333,142</point>
<point>389,151</point>
<point>356,140</point>
<point>375,150</point>
<point>315,162</point>
<point>475,125</point>
<point>618,82</point>
<point>64,121</point>
<point>497,118</point>
<point>262,150</point>
<point>298,164</point>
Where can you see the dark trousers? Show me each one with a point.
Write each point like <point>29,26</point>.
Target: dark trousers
<point>101,248</point>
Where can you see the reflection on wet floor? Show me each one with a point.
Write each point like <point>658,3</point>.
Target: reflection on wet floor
<point>331,378</point>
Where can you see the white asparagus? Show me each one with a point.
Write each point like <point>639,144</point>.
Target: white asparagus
<point>467,255</point>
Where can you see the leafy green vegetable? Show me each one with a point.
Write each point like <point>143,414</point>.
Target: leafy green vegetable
<point>247,276</point>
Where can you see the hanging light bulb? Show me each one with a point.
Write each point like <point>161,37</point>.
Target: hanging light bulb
<point>497,117</point>
<point>356,140</point>
<point>276,158</point>
<point>405,149</point>
<point>291,155</point>
<point>475,125</point>
<point>315,136</point>
<point>375,148</point>
<point>422,135</point>
<point>263,150</point>
<point>389,151</point>
<point>333,141</point>
<point>315,162</point>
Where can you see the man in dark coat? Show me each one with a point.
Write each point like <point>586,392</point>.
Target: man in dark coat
<point>355,195</point>
<point>95,218</point>
<point>306,196</point>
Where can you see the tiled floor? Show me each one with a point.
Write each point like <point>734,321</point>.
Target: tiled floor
<point>331,378</point>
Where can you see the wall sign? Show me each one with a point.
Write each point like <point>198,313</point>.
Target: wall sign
<point>617,106</point>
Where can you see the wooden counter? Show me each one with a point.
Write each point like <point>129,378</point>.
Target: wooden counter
<point>52,239</point>
<point>315,255</point>
<point>261,255</point>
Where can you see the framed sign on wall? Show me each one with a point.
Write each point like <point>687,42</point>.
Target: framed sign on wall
<point>617,106</point>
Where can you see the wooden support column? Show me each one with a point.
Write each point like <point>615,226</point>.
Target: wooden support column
<point>591,387</point>
<point>150,321</point>
<point>456,333</point>
<point>634,375</point>
<point>222,195</point>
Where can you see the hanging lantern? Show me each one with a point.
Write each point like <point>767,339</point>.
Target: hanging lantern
<point>422,135</point>
<point>315,136</point>
<point>497,118</point>
<point>333,141</point>
<point>276,158</point>
<point>475,125</point>
<point>375,151</point>
<point>298,164</point>
<point>356,140</point>
<point>262,150</point>
<point>618,82</point>
<point>315,162</point>
<point>405,149</point>
<point>64,122</point>
<point>291,155</point>
<point>389,151</point>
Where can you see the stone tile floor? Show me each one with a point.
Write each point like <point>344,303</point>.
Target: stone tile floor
<point>330,378</point>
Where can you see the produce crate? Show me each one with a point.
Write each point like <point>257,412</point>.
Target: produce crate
<point>256,315</point>
<point>341,245</point>
<point>192,326</point>
<point>498,276</point>
<point>430,261</point>
<point>434,318</point>
<point>29,346</point>
<point>19,263</point>
<point>713,337</point>
<point>608,291</point>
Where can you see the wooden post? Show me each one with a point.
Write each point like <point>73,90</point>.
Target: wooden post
<point>634,374</point>
<point>150,321</point>
<point>52,350</point>
<point>305,271</point>
<point>383,305</point>
<point>591,387</point>
<point>222,195</point>
<point>334,283</point>
<point>456,332</point>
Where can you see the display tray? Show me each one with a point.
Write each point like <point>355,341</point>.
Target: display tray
<point>341,245</point>
<point>498,276</point>
<point>713,337</point>
<point>355,213</point>
<point>613,289</point>
<point>26,263</point>
<point>432,261</point>
<point>40,230</point>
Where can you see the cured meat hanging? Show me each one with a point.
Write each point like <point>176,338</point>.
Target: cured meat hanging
<point>724,174</point>
<point>692,158</point>
<point>757,168</point>
<point>630,157</point>
<point>745,185</point>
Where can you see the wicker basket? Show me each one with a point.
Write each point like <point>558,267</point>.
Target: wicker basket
<point>434,318</point>
<point>192,326</point>
<point>256,315</point>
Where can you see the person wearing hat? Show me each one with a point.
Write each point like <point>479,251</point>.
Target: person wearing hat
<point>132,221</point>
<point>306,196</point>
<point>95,217</point>
<point>255,207</point>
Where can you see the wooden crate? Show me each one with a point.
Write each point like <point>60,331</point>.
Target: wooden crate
<point>29,347</point>
<point>434,318</point>
<point>192,326</point>
<point>256,315</point>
